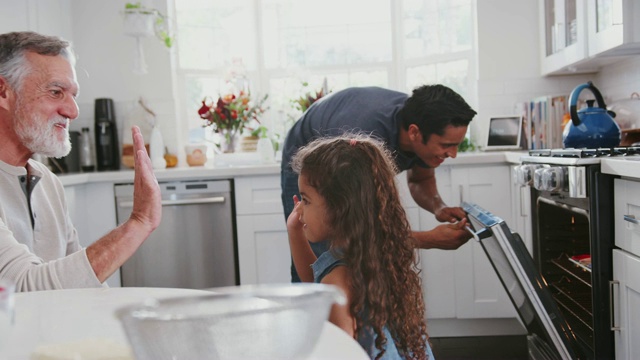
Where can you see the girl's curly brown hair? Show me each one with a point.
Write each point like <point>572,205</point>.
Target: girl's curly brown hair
<point>355,174</point>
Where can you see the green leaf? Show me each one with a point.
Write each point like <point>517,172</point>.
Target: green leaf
<point>133,5</point>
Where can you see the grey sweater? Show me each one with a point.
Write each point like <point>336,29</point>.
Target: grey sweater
<point>39,248</point>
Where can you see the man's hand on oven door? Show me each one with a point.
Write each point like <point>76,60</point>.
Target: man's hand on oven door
<point>444,237</point>
<point>450,214</point>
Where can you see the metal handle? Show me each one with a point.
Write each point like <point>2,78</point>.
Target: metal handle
<point>208,200</point>
<point>481,234</point>
<point>612,315</point>
<point>632,219</point>
<point>524,208</point>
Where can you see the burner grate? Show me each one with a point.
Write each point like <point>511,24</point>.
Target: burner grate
<point>587,153</point>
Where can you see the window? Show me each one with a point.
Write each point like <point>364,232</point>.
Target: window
<point>280,45</point>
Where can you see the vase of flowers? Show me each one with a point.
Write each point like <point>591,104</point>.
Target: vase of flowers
<point>230,115</point>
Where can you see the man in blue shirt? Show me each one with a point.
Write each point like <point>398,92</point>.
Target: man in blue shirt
<point>422,131</point>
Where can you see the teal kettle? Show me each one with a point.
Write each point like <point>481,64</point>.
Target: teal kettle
<point>590,127</point>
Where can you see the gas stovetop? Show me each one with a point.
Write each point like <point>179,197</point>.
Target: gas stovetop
<point>577,156</point>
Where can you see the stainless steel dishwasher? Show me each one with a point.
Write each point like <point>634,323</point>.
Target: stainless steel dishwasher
<point>194,246</point>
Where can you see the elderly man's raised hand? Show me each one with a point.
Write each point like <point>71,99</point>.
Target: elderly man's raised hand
<point>147,201</point>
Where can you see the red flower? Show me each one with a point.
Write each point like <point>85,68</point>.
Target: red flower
<point>231,113</point>
<point>204,110</point>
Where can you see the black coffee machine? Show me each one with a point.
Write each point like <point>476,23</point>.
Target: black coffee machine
<point>107,153</point>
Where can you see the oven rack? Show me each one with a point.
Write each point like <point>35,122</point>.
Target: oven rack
<point>564,263</point>
<point>578,318</point>
<point>574,298</point>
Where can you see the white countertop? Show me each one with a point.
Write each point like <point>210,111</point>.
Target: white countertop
<point>489,157</point>
<point>177,173</point>
<point>625,167</point>
<point>210,171</point>
<point>64,317</point>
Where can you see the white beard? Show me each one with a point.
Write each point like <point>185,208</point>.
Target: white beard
<point>40,136</point>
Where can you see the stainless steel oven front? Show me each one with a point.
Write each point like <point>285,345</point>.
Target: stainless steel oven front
<point>572,215</point>
<point>194,246</point>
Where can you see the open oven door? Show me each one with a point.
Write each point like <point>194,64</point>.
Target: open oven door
<point>549,335</point>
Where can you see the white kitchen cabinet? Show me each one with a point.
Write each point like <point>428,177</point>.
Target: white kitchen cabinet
<point>563,36</point>
<point>263,247</point>
<point>613,27</point>
<point>264,255</point>
<point>462,284</point>
<point>480,293</point>
<point>626,272</point>
<point>93,213</point>
<point>626,269</point>
<point>581,36</point>
<point>627,212</point>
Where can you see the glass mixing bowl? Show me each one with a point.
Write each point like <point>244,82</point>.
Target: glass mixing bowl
<point>242,322</point>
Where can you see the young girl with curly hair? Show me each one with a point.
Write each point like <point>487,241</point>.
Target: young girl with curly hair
<point>349,198</point>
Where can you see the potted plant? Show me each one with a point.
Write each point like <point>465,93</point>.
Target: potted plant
<point>141,21</point>
<point>301,103</point>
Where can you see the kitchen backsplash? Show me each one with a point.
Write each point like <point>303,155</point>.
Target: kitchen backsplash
<point>501,96</point>
<point>620,80</point>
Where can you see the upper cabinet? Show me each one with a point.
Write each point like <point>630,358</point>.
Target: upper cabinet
<point>580,36</point>
<point>564,35</point>
<point>613,27</point>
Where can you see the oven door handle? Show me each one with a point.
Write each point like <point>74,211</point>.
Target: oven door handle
<point>632,219</point>
<point>196,201</point>
<point>612,314</point>
<point>480,234</point>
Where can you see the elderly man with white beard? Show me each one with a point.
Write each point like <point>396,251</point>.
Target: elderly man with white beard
<point>39,247</point>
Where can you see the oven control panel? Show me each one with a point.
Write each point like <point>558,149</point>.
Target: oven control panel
<point>554,178</point>
<point>551,178</point>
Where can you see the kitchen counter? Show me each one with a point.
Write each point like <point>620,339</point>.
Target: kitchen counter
<point>493,157</point>
<point>225,172</point>
<point>177,173</point>
<point>625,167</point>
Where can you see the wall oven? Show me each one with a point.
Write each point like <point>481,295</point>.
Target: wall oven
<point>573,237</point>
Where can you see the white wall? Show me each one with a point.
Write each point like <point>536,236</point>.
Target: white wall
<point>105,57</point>
<point>44,16</point>
<point>508,60</point>
<point>105,62</point>
<point>619,81</point>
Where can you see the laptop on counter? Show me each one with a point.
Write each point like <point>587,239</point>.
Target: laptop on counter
<point>505,133</point>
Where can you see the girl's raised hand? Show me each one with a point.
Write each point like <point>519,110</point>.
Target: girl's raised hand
<point>293,221</point>
<point>301,251</point>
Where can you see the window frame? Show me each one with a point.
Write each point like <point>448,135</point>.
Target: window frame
<point>396,68</point>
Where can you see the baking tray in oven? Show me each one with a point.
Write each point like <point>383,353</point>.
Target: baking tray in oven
<point>525,286</point>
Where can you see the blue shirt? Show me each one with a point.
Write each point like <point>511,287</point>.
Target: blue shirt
<point>369,110</point>
<point>321,268</point>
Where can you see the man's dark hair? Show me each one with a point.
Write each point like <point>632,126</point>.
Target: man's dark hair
<point>432,108</point>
